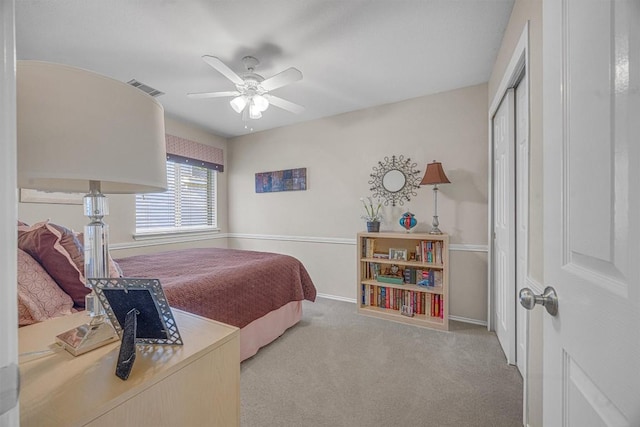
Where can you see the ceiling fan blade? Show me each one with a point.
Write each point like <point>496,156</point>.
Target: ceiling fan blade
<point>289,75</point>
<point>222,68</point>
<point>284,104</point>
<point>213,94</point>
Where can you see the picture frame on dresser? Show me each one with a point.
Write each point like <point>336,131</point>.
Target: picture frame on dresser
<point>139,312</point>
<point>156,324</point>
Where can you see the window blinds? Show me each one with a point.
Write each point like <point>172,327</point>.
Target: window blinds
<point>188,203</point>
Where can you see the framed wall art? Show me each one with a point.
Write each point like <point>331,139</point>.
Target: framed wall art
<point>283,180</point>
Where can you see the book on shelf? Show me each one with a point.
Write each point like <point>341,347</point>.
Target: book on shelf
<point>438,250</point>
<point>396,280</point>
<point>430,251</point>
<point>406,273</point>
<point>372,271</point>
<point>436,305</point>
<point>429,278</point>
<point>437,278</point>
<point>368,247</point>
<point>381,255</point>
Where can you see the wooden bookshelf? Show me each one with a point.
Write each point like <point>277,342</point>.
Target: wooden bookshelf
<point>427,261</point>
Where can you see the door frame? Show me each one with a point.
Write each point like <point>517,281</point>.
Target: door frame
<point>8,210</point>
<point>518,64</point>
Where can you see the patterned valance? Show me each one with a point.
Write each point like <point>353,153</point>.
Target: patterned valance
<point>182,150</point>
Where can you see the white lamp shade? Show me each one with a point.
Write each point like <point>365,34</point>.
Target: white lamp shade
<point>254,112</point>
<point>260,102</point>
<point>238,103</point>
<point>76,126</point>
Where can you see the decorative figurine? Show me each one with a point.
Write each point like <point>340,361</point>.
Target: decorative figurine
<point>408,221</point>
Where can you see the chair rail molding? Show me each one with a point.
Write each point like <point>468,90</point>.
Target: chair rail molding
<point>169,238</point>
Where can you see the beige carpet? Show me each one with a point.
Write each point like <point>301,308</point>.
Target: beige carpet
<point>338,368</point>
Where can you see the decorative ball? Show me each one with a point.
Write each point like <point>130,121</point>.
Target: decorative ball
<point>408,221</point>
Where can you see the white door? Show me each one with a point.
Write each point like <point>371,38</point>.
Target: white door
<point>503,225</point>
<point>591,57</point>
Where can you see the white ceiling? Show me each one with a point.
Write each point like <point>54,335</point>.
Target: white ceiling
<point>353,54</point>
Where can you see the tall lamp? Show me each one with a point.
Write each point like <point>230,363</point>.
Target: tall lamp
<point>435,175</point>
<point>78,131</point>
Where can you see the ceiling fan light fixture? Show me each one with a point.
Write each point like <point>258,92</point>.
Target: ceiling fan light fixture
<point>254,112</point>
<point>238,103</point>
<point>260,102</point>
<point>252,95</point>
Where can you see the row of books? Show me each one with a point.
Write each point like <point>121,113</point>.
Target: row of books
<point>368,247</point>
<point>428,277</point>
<point>394,299</point>
<point>372,271</point>
<point>430,251</point>
<point>427,251</point>
<point>421,277</point>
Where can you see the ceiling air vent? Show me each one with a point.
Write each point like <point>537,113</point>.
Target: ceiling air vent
<point>146,89</point>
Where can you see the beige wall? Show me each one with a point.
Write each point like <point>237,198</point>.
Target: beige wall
<point>531,11</point>
<point>121,218</point>
<point>339,153</point>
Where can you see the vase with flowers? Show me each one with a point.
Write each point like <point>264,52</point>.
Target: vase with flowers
<point>373,215</point>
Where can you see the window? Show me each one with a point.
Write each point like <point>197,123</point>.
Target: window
<point>188,204</point>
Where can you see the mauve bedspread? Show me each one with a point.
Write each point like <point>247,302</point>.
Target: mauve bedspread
<point>232,286</point>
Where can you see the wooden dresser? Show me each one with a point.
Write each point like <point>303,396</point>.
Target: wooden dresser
<point>191,385</point>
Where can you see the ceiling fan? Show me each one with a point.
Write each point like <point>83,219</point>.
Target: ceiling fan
<point>252,95</point>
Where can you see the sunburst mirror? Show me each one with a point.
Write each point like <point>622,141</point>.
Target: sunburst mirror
<point>394,180</point>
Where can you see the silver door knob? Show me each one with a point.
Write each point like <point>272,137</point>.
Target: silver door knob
<point>548,299</point>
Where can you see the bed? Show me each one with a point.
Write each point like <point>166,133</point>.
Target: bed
<point>259,292</point>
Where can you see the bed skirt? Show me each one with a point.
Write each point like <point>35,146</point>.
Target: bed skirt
<point>267,328</point>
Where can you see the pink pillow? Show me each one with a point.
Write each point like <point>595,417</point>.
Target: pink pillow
<point>58,250</point>
<point>39,296</point>
<point>61,253</point>
<point>24,316</point>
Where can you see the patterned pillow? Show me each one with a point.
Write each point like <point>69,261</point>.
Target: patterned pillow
<point>39,296</point>
<point>24,315</point>
<point>61,253</point>
<point>58,250</point>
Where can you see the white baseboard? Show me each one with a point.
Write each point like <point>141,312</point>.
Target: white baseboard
<point>467,320</point>
<point>456,318</point>
<point>337,298</point>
